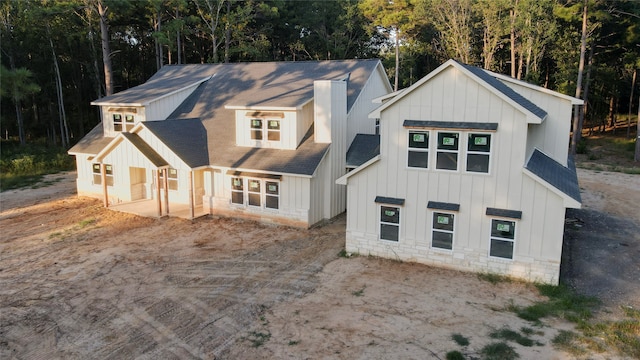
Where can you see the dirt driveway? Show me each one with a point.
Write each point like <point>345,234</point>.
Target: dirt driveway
<point>78,281</point>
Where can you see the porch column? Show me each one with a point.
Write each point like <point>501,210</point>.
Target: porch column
<point>103,179</point>
<point>159,201</point>
<point>191,202</point>
<point>165,171</point>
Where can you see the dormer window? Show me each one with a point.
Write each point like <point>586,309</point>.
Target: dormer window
<point>256,129</point>
<point>117,122</point>
<point>273,130</point>
<point>270,126</point>
<point>123,118</point>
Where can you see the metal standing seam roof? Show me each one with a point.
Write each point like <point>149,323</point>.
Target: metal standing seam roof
<point>562,178</point>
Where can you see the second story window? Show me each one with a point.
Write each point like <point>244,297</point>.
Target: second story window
<point>265,129</point>
<point>117,122</point>
<point>123,122</point>
<point>273,130</point>
<point>478,152</point>
<point>447,152</point>
<point>256,129</point>
<point>418,155</point>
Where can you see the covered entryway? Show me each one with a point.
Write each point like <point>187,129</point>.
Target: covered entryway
<point>138,178</point>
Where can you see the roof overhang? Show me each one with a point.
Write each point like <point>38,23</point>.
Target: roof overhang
<point>154,99</point>
<point>344,179</point>
<point>568,201</point>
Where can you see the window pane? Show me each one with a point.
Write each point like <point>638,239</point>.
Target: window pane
<point>254,199</point>
<point>479,142</point>
<point>109,180</point>
<point>448,141</point>
<point>97,179</point>
<point>256,123</point>
<point>96,168</point>
<point>273,124</point>
<point>173,184</point>
<point>447,161</point>
<point>443,221</point>
<point>117,127</point>
<point>271,202</point>
<point>501,248</point>
<point>390,214</point>
<point>478,163</point>
<point>254,185</point>
<point>128,118</point>
<point>272,188</point>
<point>236,197</point>
<point>503,229</point>
<point>256,134</point>
<point>173,174</point>
<point>442,240</point>
<point>419,140</point>
<point>418,159</point>
<point>236,184</point>
<point>389,232</point>
<point>108,169</point>
<point>273,135</point>
<point>117,118</point>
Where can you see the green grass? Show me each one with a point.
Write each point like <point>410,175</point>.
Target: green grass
<point>498,351</point>
<point>511,335</point>
<point>258,338</point>
<point>460,340</point>
<point>494,278</point>
<point>359,293</point>
<point>455,355</point>
<point>563,302</point>
<point>25,166</point>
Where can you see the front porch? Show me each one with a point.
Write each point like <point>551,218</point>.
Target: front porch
<point>149,208</point>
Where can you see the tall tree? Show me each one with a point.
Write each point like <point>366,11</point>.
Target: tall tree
<point>18,85</point>
<point>455,21</point>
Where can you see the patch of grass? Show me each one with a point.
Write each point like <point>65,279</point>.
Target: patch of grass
<point>455,355</point>
<point>529,331</point>
<point>460,340</point>
<point>294,342</point>
<point>360,292</point>
<point>258,338</point>
<point>511,335</point>
<point>563,302</point>
<point>566,341</point>
<point>622,335</point>
<point>86,222</point>
<point>494,278</point>
<point>498,351</point>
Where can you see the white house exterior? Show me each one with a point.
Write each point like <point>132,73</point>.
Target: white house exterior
<point>472,174</point>
<point>264,141</point>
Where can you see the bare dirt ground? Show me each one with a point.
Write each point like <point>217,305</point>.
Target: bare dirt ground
<point>78,281</point>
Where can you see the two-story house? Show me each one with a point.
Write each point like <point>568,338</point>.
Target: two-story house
<point>264,141</point>
<point>472,173</point>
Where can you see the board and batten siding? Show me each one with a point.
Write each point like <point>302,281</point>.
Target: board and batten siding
<point>161,108</point>
<point>84,179</point>
<point>288,130</point>
<point>452,96</point>
<point>358,121</point>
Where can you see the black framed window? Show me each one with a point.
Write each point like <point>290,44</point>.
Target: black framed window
<point>389,223</point>
<point>503,234</point>
<point>442,228</point>
<point>478,152</point>
<point>418,152</point>
<point>447,151</point>
<point>254,192</point>
<point>237,191</point>
<point>272,194</point>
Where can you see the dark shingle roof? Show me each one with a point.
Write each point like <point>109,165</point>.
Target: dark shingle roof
<point>277,84</point>
<point>562,178</point>
<point>145,149</point>
<point>91,143</point>
<point>187,138</point>
<point>168,79</point>
<point>363,148</point>
<point>509,92</point>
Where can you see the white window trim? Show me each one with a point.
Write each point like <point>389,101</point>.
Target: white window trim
<point>427,150</point>
<point>264,130</point>
<point>244,200</point>
<point>453,233</point>
<point>263,193</point>
<point>491,237</point>
<point>467,152</point>
<point>436,150</point>
<point>380,222</point>
<point>169,179</point>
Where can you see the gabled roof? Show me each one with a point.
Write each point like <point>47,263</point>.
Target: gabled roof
<point>563,180</point>
<point>534,113</point>
<point>187,138</point>
<point>145,149</point>
<point>91,143</point>
<point>168,80</point>
<point>363,148</point>
<point>509,79</point>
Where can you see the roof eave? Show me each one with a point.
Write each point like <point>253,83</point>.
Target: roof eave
<point>344,179</point>
<point>568,201</point>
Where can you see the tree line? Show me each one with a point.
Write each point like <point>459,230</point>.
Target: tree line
<point>59,55</point>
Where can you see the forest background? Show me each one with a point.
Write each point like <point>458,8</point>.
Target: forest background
<point>59,55</point>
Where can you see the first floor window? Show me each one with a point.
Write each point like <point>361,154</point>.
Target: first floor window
<point>447,151</point>
<point>237,191</point>
<point>502,238</point>
<point>478,152</point>
<point>418,153</point>
<point>97,174</point>
<point>172,179</point>
<point>389,223</point>
<point>272,194</point>
<point>254,192</point>
<point>442,231</point>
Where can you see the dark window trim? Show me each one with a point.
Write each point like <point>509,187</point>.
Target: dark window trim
<point>512,214</point>
<point>389,200</point>
<point>443,206</point>
<point>254,175</point>
<point>430,124</point>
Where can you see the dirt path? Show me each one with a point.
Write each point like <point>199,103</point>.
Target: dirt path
<point>78,281</point>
